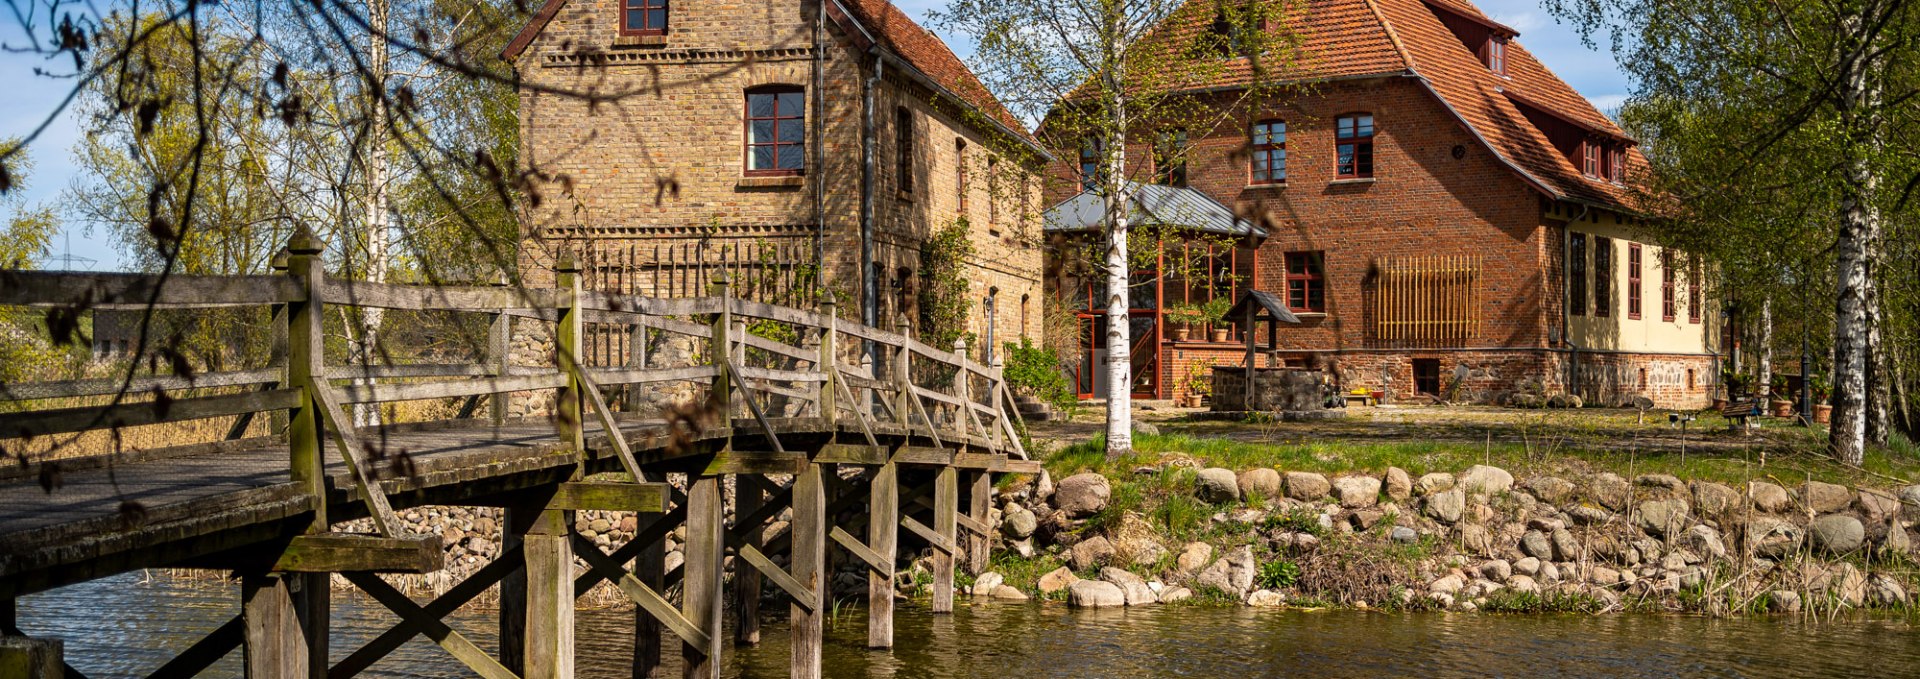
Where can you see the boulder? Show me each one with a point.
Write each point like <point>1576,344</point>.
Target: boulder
<point>1095,594</point>
<point>1307,486</point>
<point>1714,500</point>
<point>1523,583</point>
<point>1397,484</point>
<point>1403,535</point>
<point>1082,495</point>
<point>1043,487</point>
<point>1885,590</point>
<point>1135,590</point>
<point>1783,601</point>
<point>1266,598</point>
<point>1772,538</point>
<point>1476,539</point>
<point>1481,478</point>
<point>1826,498</point>
<point>1232,574</point>
<point>1528,566</point>
<point>1586,515</point>
<point>1565,547</point>
<point>1363,520</point>
<point>1216,486</point>
<point>1910,499</point>
<point>1057,580</point>
<point>1769,498</point>
<point>1704,541</point>
<point>1660,481</point>
<point>1536,544</point>
<point>1139,551</point>
<point>1497,570</point>
<point>1447,506</point>
<point>1836,533</point>
<point>1356,491</point>
<point>1552,490</point>
<point>1662,518</point>
<point>1877,506</point>
<point>1433,483</point>
<point>986,583</point>
<point>1018,523</point>
<point>1146,428</point>
<point>1260,482</point>
<point>1448,584</point>
<point>1009,593</point>
<point>1090,553</point>
<point>1195,556</point>
<point>1609,490</point>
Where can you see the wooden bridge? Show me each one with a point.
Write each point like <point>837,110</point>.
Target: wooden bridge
<point>837,416</point>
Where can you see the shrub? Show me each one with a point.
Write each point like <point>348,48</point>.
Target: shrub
<point>1036,372</point>
<point>1277,575</point>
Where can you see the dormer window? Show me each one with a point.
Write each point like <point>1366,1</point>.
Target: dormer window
<point>1592,150</point>
<point>1494,55</point>
<point>643,17</point>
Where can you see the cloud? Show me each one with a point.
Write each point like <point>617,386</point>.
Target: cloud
<point>1523,21</point>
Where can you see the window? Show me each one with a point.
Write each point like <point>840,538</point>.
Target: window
<point>1693,289</point>
<point>776,131</point>
<point>903,144</point>
<point>1633,281</point>
<point>960,174</point>
<point>1269,152</point>
<point>1306,282</point>
<point>1577,274</point>
<point>1090,164</point>
<point>1170,158</point>
<point>1354,147</point>
<point>1591,152</point>
<point>643,17</point>
<point>1666,286</point>
<point>993,194</point>
<point>1426,376</point>
<point>1616,164</point>
<point>1494,54</point>
<point>1602,277</point>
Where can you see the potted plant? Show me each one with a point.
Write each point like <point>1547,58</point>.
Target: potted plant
<point>1822,389</point>
<point>1199,384</point>
<point>1215,312</point>
<point>1780,405</point>
<point>1182,318</point>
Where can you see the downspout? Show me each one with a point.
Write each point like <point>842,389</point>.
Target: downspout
<point>1566,310</point>
<point>819,145</point>
<point>869,284</point>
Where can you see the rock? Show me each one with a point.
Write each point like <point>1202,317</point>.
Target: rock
<point>673,560</point>
<point>1307,486</point>
<point>1060,579</point>
<point>1525,400</point>
<point>1356,491</point>
<point>1497,570</point>
<point>1139,551</point>
<point>1523,583</point>
<point>1768,497</point>
<point>1194,557</point>
<point>1134,590</point>
<point>1662,518</point>
<point>1876,506</point>
<point>1552,490</point>
<point>1851,583</point>
<point>1266,598</point>
<point>1043,487</point>
<point>1826,498</point>
<point>986,583</point>
<point>1660,481</point>
<point>1897,542</point>
<point>1175,594</point>
<point>1713,500</point>
<point>1448,584</point>
<point>1216,486</point>
<point>1884,590</point>
<point>1836,533</point>
<point>1528,566</point>
<point>1363,520</point>
<point>1910,499</point>
<point>1433,483</point>
<point>1147,428</point>
<point>1589,516</point>
<point>1447,506</point>
<point>1009,593</point>
<point>1609,490</point>
<point>1403,535</point>
<point>1565,547</point>
<point>1082,495</point>
<point>1232,574</point>
<point>1095,594</point>
<point>600,526</point>
<point>1604,576</point>
<point>1536,544</point>
<point>1018,523</point>
<point>1549,572</point>
<point>1090,553</point>
<point>1771,537</point>
<point>1476,539</point>
<point>1397,484</point>
<point>1260,482</point>
<point>1024,548</point>
<point>1783,601</point>
<point>1481,478</point>
<point>1705,541</point>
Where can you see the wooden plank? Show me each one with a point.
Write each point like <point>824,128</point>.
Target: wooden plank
<point>1018,467</point>
<point>754,462</point>
<point>35,423</point>
<point>979,498</point>
<point>741,307</point>
<point>649,306</point>
<point>883,527</point>
<point>203,653</point>
<point>435,297</point>
<point>946,509</point>
<point>935,396</point>
<point>733,370</point>
<point>809,528</point>
<point>920,455</point>
<point>378,508</point>
<point>802,596</point>
<point>861,551</point>
<point>100,386</point>
<point>653,375</point>
<point>550,598</point>
<point>787,350</point>
<point>641,595</point>
<point>140,291</point>
<point>25,658</point>
<point>275,645</point>
<point>973,525</point>
<point>610,496</point>
<point>364,372</point>
<point>844,453</point>
<point>747,500</point>
<point>700,587</point>
<point>597,400</point>
<point>388,393</point>
<point>449,639</point>
<point>343,552</point>
<point>940,543</point>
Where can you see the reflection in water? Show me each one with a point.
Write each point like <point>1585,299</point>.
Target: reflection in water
<point>126,626</point>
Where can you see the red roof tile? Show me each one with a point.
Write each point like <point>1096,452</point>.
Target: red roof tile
<point>928,54</point>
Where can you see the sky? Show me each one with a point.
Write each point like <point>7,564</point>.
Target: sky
<point>30,99</point>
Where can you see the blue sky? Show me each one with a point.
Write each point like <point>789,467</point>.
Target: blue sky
<point>31,98</point>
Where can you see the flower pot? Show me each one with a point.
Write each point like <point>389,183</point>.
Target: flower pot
<point>1719,404</point>
<point>1782,408</point>
<point>1219,334</point>
<point>1822,414</point>
<point>1182,333</point>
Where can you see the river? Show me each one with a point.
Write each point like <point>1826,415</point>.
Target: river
<point>128,625</point>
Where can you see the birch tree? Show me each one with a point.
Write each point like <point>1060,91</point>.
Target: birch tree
<point>1104,73</point>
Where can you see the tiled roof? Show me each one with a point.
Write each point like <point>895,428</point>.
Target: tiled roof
<point>925,51</point>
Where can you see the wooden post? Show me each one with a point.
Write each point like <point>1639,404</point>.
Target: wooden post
<point>306,371</point>
<point>499,357</point>
<point>700,586</point>
<point>514,522</point>
<point>650,568</point>
<point>719,349</point>
<point>829,357</point>
<point>883,527</point>
<point>962,388</point>
<point>977,500</point>
<point>809,567</point>
<point>25,658</point>
<point>636,359</point>
<point>946,504</point>
<point>277,352</point>
<point>275,645</point>
<point>903,377</point>
<point>746,581</point>
<point>566,345</point>
<point>549,595</point>
<point>996,385</point>
<point>1251,364</point>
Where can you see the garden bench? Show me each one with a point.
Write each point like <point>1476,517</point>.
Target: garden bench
<point>1741,413</point>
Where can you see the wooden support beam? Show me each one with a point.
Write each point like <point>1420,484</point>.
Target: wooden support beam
<point>809,571</point>
<point>762,565</point>
<point>499,570</point>
<point>860,550</point>
<point>362,472</point>
<point>205,652</point>
<point>610,496</point>
<point>928,456</point>
<point>844,453</point>
<point>700,587</point>
<point>448,638</point>
<point>275,644</point>
<point>27,658</point>
<point>883,521</point>
<point>549,626</point>
<point>975,520</point>
<point>747,500</point>
<point>512,616</point>
<point>341,552</point>
<point>977,527</point>
<point>647,598</point>
<point>940,543</point>
<point>753,462</point>
<point>946,505</point>
<point>649,570</point>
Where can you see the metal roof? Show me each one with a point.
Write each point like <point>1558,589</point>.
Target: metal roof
<point>1275,308</point>
<point>1175,206</point>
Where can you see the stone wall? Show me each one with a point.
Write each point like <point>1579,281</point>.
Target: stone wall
<point>1274,390</point>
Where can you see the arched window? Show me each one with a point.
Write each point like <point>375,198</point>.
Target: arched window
<point>776,130</point>
<point>1353,145</point>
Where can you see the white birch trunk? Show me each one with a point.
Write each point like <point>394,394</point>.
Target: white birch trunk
<point>1879,426</point>
<point>1119,208</point>
<point>379,175</point>
<point>1763,350</point>
<point>1859,234</point>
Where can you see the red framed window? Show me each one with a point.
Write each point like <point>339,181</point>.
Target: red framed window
<point>1602,277</point>
<point>1577,274</point>
<point>1693,289</point>
<point>1170,158</point>
<point>960,174</point>
<point>1633,281</point>
<point>1591,153</point>
<point>1616,164</point>
<point>1666,286</point>
<point>643,17</point>
<point>1495,55</point>
<point>1306,282</point>
<point>776,130</point>
<point>1353,147</point>
<point>1269,152</point>
<point>903,144</point>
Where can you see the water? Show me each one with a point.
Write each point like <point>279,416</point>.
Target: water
<point>127,626</point>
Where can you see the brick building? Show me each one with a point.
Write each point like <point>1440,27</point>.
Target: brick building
<point>1445,215</point>
<point>796,144</point>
